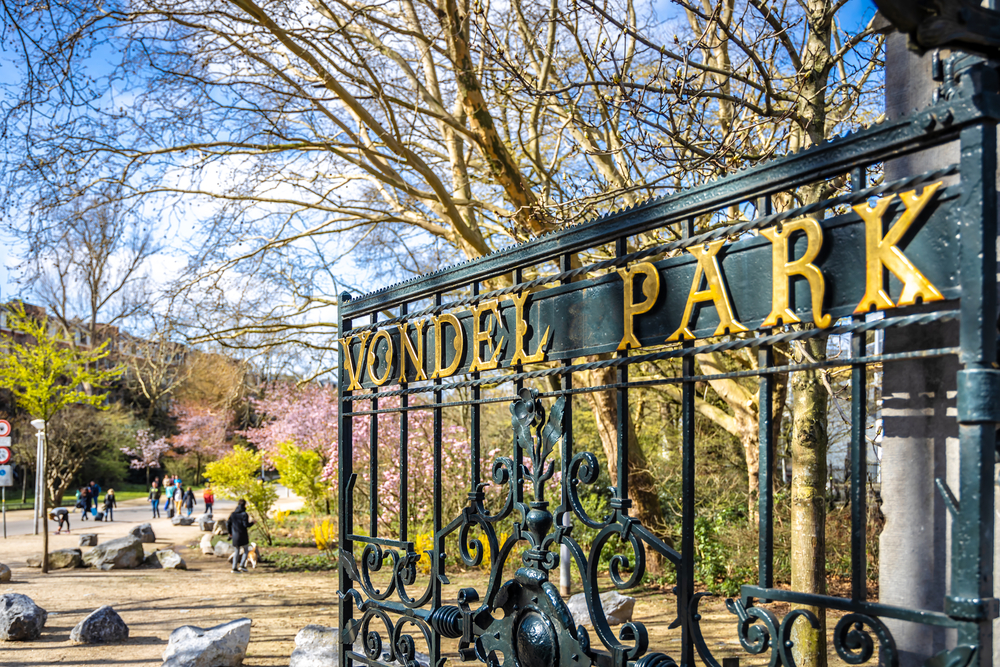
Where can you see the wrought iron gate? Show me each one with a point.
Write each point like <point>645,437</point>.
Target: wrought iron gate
<point>498,329</point>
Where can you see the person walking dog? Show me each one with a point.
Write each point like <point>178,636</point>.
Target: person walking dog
<point>239,529</point>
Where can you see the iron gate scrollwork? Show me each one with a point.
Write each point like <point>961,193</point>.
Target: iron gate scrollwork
<point>441,334</point>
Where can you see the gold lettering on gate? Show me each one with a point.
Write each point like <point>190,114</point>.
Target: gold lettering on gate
<point>480,337</point>
<point>521,330</point>
<point>708,266</point>
<point>373,357</point>
<point>782,271</point>
<point>650,290</point>
<point>354,373</point>
<point>881,253</point>
<point>458,342</point>
<point>416,355</point>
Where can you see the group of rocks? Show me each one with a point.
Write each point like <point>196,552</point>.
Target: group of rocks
<point>118,554</point>
<point>23,620</point>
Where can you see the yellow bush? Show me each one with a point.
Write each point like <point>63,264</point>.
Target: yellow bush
<point>280,516</point>
<point>325,534</point>
<point>486,564</point>
<point>423,544</point>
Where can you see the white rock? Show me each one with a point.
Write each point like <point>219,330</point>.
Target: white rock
<point>206,545</point>
<point>617,607</point>
<point>88,540</point>
<point>168,559</point>
<point>20,618</point>
<point>144,532</point>
<point>223,549</point>
<point>206,522</point>
<point>120,554</point>
<point>102,626</point>
<point>182,521</point>
<point>316,646</point>
<point>222,646</point>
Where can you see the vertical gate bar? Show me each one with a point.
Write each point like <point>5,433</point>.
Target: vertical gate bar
<point>765,470</point>
<point>345,437</point>
<point>438,566</point>
<point>621,248</point>
<point>859,470</point>
<point>518,386</point>
<point>685,574</point>
<point>372,456</point>
<point>404,453</point>
<point>565,558</point>
<point>765,205</point>
<point>859,448</point>
<point>971,591</point>
<point>474,423</point>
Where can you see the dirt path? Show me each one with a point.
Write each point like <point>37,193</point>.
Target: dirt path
<point>155,602</point>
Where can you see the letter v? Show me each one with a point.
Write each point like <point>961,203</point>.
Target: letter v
<point>354,372</point>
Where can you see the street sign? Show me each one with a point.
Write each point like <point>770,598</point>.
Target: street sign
<point>5,455</point>
<point>4,428</point>
<point>6,476</point>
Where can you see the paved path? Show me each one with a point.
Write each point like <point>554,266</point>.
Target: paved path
<point>132,512</point>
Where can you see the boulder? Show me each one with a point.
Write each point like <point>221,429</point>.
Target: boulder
<point>167,559</point>
<point>88,540</point>
<point>102,626</point>
<point>206,545</point>
<point>617,607</point>
<point>223,549</point>
<point>179,520</point>
<point>222,646</point>
<point>20,618</point>
<point>316,646</point>
<point>120,554</point>
<point>206,523</point>
<point>59,559</point>
<point>221,528</point>
<point>4,574</point>
<point>144,532</point>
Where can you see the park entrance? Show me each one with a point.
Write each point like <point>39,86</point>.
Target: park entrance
<point>755,263</point>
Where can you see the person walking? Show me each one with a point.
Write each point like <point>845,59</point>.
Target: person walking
<point>109,505</point>
<point>86,500</point>
<point>60,514</point>
<point>189,501</point>
<point>168,492</point>
<point>154,499</point>
<point>178,499</point>
<point>79,501</point>
<point>95,496</point>
<point>238,524</point>
<point>208,497</point>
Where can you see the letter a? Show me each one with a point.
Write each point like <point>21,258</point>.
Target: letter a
<point>708,266</point>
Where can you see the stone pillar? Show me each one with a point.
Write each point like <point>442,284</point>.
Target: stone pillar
<point>920,436</point>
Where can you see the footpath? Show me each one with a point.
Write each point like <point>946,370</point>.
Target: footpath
<point>154,602</point>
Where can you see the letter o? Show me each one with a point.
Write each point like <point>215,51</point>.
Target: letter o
<point>373,358</point>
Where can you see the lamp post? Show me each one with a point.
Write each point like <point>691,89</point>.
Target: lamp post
<point>41,511</point>
<point>39,425</point>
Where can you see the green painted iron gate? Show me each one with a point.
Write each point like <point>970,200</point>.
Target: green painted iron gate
<point>521,326</point>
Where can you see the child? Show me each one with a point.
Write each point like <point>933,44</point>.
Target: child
<point>109,505</point>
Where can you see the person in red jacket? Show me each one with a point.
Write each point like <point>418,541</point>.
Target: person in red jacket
<point>209,497</point>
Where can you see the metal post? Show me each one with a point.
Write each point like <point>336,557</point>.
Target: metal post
<point>3,501</point>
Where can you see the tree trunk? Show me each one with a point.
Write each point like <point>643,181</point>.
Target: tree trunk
<point>808,529</point>
<point>641,484</point>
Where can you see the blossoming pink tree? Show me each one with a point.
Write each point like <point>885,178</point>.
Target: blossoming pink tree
<point>147,452</point>
<point>203,433</point>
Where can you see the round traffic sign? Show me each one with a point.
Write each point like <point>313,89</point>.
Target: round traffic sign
<point>4,428</point>
<point>5,455</point>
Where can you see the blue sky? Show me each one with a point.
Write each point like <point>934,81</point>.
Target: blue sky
<point>855,14</point>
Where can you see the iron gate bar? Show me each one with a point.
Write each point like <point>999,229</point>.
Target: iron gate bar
<point>790,368</point>
<point>738,229</point>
